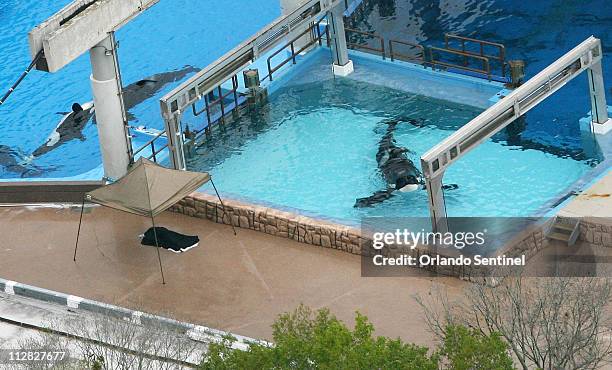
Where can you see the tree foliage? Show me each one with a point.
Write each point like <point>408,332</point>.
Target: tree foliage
<point>468,349</point>
<point>548,323</point>
<point>305,339</point>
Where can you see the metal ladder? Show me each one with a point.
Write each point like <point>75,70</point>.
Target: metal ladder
<point>565,230</point>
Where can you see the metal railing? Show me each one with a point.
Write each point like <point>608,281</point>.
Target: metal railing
<point>353,45</point>
<point>500,57</point>
<point>432,56</point>
<point>485,70</point>
<point>208,104</point>
<point>315,36</point>
<point>154,151</point>
<point>235,60</point>
<point>418,57</point>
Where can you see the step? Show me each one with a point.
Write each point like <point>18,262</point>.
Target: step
<point>564,226</point>
<point>558,236</point>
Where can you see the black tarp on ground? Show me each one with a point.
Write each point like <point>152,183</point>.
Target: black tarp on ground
<point>170,240</point>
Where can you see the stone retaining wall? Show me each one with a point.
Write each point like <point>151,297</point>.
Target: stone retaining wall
<point>327,234</point>
<point>272,221</point>
<point>596,233</point>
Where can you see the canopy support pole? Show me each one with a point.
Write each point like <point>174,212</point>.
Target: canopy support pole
<point>76,245</point>
<point>157,245</point>
<point>223,205</point>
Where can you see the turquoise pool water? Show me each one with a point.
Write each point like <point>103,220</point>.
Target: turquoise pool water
<point>313,148</point>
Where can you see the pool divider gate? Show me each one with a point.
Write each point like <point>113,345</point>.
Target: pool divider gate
<point>584,57</point>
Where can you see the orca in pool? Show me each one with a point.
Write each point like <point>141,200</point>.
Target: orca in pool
<point>144,89</point>
<point>12,161</point>
<point>399,172</point>
<point>72,123</point>
<point>70,127</point>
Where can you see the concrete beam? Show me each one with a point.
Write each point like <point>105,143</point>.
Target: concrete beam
<point>80,26</point>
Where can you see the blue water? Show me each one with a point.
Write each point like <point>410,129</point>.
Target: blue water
<point>537,32</point>
<point>319,157</point>
<point>172,34</point>
<point>313,148</point>
<point>297,154</point>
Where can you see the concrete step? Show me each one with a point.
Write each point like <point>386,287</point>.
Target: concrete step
<point>563,226</point>
<point>559,236</point>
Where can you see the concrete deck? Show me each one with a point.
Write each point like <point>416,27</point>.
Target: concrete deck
<point>239,284</point>
<point>595,202</point>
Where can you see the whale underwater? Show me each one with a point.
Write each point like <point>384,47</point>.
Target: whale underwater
<point>13,162</point>
<point>72,123</point>
<point>398,171</point>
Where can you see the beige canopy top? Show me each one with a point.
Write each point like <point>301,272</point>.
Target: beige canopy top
<point>148,189</point>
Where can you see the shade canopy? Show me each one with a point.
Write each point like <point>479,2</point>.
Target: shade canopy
<point>148,189</point>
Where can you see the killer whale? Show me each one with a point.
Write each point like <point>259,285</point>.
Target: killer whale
<point>70,127</point>
<point>72,123</point>
<point>146,88</point>
<point>12,161</point>
<point>398,171</point>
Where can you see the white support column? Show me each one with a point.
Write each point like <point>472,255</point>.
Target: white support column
<point>437,208</point>
<point>176,146</point>
<point>115,143</point>
<point>602,124</point>
<point>342,66</point>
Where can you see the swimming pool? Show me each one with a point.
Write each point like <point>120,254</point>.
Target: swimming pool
<point>313,148</point>
<point>169,36</point>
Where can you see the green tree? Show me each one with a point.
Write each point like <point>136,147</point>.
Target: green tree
<point>468,349</point>
<point>305,339</point>
<point>318,340</point>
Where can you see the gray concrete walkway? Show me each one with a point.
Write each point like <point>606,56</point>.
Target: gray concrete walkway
<point>239,284</point>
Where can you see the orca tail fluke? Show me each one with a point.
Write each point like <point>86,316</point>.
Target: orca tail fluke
<point>378,197</point>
